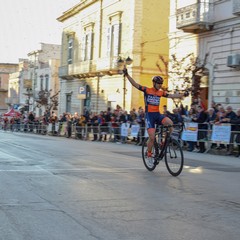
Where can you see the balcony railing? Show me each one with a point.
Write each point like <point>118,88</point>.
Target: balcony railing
<point>107,64</point>
<point>236,7</point>
<point>89,68</point>
<point>195,18</point>
<point>84,67</point>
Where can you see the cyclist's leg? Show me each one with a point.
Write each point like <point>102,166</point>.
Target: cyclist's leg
<point>166,122</point>
<point>150,125</point>
<point>163,120</point>
<point>151,134</point>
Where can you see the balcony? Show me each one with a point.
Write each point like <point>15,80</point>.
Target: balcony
<point>107,64</point>
<point>236,7</point>
<point>82,69</point>
<point>78,70</point>
<point>89,68</point>
<point>195,18</point>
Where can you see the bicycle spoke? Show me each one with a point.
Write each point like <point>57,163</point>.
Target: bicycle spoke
<point>174,158</point>
<point>149,162</point>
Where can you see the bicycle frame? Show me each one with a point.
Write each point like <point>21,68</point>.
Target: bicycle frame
<point>167,146</point>
<point>164,139</point>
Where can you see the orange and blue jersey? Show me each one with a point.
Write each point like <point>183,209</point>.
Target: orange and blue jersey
<point>152,99</point>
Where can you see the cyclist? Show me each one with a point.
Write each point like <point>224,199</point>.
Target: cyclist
<point>152,98</point>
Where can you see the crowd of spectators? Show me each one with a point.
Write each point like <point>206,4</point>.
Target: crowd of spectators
<point>109,122</point>
<point>217,114</point>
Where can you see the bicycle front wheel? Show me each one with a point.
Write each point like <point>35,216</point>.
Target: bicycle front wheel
<point>149,162</point>
<point>174,157</point>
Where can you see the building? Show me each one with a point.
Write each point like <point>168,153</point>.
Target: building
<point>210,28</point>
<point>36,80</point>
<point>96,35</point>
<point>5,70</point>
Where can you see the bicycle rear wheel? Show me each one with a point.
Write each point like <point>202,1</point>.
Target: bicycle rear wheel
<point>149,162</point>
<point>174,159</point>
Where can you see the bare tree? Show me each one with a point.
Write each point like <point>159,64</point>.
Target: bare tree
<point>45,99</point>
<point>185,73</point>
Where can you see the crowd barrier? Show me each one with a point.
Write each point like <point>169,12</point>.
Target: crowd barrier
<point>194,132</point>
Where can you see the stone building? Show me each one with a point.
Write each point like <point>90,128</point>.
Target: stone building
<point>5,70</point>
<point>210,27</point>
<point>37,73</point>
<point>96,35</point>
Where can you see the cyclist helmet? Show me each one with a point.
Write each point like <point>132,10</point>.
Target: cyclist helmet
<point>157,79</point>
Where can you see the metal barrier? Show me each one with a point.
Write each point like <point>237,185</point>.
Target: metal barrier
<point>110,133</point>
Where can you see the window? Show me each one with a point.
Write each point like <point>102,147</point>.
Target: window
<point>70,49</point>
<point>46,82</point>
<point>88,46</point>
<point>113,40</point>
<point>115,48</point>
<point>68,102</point>
<point>114,35</point>
<point>87,42</point>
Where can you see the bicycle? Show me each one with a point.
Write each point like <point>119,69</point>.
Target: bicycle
<point>166,146</point>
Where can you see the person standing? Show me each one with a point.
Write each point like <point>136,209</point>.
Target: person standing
<point>69,125</point>
<point>201,119</point>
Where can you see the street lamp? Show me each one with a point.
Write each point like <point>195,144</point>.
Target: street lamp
<point>122,62</point>
<point>28,94</point>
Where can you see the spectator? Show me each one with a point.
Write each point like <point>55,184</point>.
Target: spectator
<point>221,113</point>
<point>202,127</point>
<point>69,125</point>
<point>166,112</point>
<point>230,114</point>
<point>211,117</point>
<point>103,126</point>
<point>176,116</point>
<point>141,122</point>
<point>123,120</point>
<point>31,119</point>
<point>236,122</point>
<point>189,118</point>
<point>115,128</point>
<point>182,111</point>
<point>94,121</point>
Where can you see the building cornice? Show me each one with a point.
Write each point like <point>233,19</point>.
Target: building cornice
<point>76,9</point>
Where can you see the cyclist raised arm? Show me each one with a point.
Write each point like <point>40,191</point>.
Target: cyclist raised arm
<point>152,96</point>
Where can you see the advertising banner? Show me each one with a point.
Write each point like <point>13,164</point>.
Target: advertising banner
<point>221,133</point>
<point>190,132</point>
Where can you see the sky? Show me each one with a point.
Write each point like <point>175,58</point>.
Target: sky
<point>24,24</point>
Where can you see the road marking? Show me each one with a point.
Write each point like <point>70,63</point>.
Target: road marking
<point>7,155</point>
<point>70,169</point>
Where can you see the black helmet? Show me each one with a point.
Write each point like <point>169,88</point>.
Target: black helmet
<point>157,79</point>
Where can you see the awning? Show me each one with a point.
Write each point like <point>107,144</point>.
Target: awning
<point>12,113</point>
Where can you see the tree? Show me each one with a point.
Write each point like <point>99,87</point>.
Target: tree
<point>184,73</point>
<point>45,99</point>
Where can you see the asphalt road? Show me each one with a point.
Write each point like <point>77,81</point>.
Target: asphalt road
<point>66,189</point>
